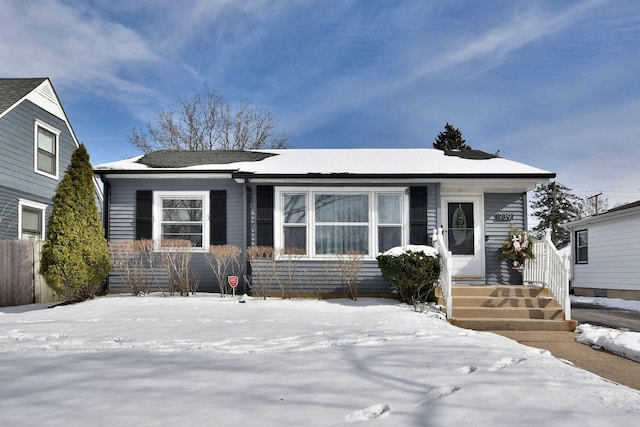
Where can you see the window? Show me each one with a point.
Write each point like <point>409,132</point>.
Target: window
<point>181,216</point>
<point>389,221</point>
<point>295,221</point>
<point>31,217</point>
<point>581,247</point>
<point>326,222</point>
<point>46,149</point>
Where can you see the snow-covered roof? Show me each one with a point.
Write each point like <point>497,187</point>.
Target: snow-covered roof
<point>320,162</point>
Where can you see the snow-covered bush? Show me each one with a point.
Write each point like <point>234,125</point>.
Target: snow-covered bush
<point>411,270</point>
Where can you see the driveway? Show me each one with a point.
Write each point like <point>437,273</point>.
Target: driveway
<point>604,316</point>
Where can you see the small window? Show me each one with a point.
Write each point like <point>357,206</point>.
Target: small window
<point>31,218</point>
<point>389,221</point>
<point>295,221</point>
<point>581,247</point>
<point>182,216</point>
<point>46,150</point>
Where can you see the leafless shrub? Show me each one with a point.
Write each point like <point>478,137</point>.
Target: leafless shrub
<point>261,278</point>
<point>284,269</point>
<point>134,263</point>
<point>349,266</point>
<point>176,260</point>
<point>223,259</point>
<point>5,225</point>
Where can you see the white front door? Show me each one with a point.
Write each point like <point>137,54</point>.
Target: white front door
<point>463,225</point>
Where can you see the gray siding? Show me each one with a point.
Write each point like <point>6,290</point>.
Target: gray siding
<point>9,210</point>
<point>17,148</point>
<point>317,278</point>
<point>17,176</point>
<point>496,232</point>
<point>121,224</point>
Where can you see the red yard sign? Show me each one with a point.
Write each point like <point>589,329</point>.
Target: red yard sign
<point>233,281</point>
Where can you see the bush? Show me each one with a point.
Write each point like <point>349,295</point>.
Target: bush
<point>223,259</point>
<point>75,257</point>
<point>411,271</point>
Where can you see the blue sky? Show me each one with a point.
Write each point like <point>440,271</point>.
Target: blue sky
<point>554,84</point>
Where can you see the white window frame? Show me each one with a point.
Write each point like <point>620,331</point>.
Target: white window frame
<point>157,216</point>
<point>578,260</point>
<point>32,205</point>
<point>311,224</point>
<point>56,132</point>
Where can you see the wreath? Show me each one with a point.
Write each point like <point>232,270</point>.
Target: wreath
<point>517,248</point>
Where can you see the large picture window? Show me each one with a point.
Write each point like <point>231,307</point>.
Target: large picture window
<point>581,247</point>
<point>46,149</point>
<point>181,216</point>
<point>327,222</point>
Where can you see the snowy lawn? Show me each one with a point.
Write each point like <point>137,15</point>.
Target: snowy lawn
<point>209,361</point>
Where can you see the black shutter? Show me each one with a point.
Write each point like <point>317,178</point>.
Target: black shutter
<point>418,231</point>
<point>218,217</point>
<point>264,215</point>
<point>144,214</point>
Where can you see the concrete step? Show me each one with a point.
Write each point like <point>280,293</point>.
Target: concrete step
<point>499,291</point>
<point>503,302</point>
<point>508,324</point>
<point>505,313</point>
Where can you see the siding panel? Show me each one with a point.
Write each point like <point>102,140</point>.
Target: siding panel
<point>496,232</point>
<point>122,218</point>
<point>613,255</point>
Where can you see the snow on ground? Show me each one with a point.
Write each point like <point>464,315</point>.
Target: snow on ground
<point>621,342</point>
<point>205,360</point>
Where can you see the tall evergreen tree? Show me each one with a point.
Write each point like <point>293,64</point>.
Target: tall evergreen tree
<point>553,205</point>
<point>450,139</point>
<point>75,257</point>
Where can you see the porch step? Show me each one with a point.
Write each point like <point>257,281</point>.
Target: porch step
<point>521,308</point>
<point>493,324</point>
<point>508,313</point>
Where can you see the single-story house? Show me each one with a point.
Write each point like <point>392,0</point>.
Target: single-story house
<point>323,202</point>
<point>605,256</point>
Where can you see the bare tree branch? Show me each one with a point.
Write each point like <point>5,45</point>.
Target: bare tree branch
<point>205,120</point>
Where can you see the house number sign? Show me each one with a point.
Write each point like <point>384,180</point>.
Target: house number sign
<point>503,216</point>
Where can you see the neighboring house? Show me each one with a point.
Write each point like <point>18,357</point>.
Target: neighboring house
<point>323,202</point>
<point>36,143</point>
<point>605,259</point>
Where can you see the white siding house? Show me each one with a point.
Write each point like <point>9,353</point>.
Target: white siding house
<point>606,253</point>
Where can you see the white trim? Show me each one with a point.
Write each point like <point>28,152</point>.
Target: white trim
<point>372,224</point>
<point>157,215</point>
<point>163,175</point>
<point>37,123</point>
<point>34,205</point>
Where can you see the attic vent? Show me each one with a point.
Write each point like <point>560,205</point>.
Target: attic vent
<point>47,92</point>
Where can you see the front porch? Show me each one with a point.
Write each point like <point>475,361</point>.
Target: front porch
<point>519,308</point>
<point>541,304</point>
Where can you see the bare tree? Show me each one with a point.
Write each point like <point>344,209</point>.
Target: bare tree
<point>205,120</point>
<point>595,204</point>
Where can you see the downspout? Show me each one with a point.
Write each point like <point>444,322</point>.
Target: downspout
<point>106,204</point>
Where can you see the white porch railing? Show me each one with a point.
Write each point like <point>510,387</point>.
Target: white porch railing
<point>445,268</point>
<point>551,270</point>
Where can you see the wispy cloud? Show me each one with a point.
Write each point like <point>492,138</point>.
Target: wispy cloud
<point>472,52</point>
<point>74,46</point>
<point>494,46</point>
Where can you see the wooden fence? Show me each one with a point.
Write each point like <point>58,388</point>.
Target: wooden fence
<point>20,282</point>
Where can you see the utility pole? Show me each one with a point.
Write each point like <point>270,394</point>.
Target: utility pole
<point>595,196</point>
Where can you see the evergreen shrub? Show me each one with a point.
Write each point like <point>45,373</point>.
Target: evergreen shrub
<point>412,272</point>
<point>74,260</point>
